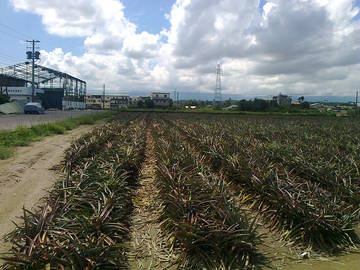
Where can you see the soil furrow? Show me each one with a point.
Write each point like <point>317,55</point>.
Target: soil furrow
<point>148,249</point>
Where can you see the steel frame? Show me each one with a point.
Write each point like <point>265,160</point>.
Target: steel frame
<point>48,78</point>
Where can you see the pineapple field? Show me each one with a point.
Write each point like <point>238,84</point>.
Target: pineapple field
<point>200,191</point>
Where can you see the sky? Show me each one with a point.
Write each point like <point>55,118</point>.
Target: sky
<point>296,47</point>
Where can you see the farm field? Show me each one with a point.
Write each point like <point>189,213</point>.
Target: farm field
<point>197,191</point>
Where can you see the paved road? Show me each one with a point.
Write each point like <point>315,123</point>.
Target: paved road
<point>10,122</point>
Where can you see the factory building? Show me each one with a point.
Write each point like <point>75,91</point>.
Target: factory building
<point>54,89</point>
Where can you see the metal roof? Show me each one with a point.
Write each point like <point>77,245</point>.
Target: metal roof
<point>43,74</point>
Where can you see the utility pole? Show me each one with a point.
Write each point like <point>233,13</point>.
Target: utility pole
<point>33,55</point>
<point>175,96</point>
<point>356,102</point>
<point>104,96</point>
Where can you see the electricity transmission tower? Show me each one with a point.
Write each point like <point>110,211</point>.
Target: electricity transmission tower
<point>219,73</point>
<point>33,55</point>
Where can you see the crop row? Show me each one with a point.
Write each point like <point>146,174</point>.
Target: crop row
<point>322,151</point>
<point>300,209</point>
<point>85,224</point>
<point>198,216</point>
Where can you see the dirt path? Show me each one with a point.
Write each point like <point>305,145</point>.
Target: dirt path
<point>148,249</point>
<point>26,177</point>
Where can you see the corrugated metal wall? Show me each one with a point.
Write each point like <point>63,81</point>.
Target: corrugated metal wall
<point>52,98</point>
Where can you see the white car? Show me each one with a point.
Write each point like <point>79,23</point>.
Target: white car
<point>33,108</point>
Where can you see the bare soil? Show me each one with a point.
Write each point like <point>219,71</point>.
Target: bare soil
<point>148,248</point>
<point>28,175</point>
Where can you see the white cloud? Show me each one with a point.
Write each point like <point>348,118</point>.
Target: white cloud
<point>295,46</point>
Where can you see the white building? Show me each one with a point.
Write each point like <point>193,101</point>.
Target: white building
<point>161,99</point>
<point>136,100</point>
<point>22,93</point>
<point>282,100</point>
<point>110,102</point>
<point>117,102</point>
<point>97,102</point>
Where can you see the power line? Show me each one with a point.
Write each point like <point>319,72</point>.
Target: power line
<point>16,37</point>
<point>16,34</point>
<point>14,30</point>
<point>10,58</point>
<point>4,60</point>
<point>5,64</point>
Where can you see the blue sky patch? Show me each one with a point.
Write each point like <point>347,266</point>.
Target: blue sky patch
<point>17,26</point>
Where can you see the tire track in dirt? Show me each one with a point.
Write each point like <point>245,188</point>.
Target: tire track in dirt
<point>28,175</point>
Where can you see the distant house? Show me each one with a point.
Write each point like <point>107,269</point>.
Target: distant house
<point>161,99</point>
<point>117,102</point>
<point>97,102</point>
<point>316,105</point>
<point>136,100</point>
<point>107,102</point>
<point>282,100</point>
<point>341,113</point>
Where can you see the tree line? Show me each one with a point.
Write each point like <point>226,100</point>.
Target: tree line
<point>260,105</point>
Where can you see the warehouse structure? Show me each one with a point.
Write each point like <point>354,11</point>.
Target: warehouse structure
<point>54,89</point>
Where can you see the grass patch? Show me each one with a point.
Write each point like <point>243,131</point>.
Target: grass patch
<point>5,152</point>
<point>56,128</point>
<point>87,121</point>
<point>23,136</point>
<point>70,124</point>
<point>41,130</point>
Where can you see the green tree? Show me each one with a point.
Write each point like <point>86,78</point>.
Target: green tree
<point>191,103</point>
<point>227,103</point>
<point>149,103</point>
<point>305,105</point>
<point>256,105</point>
<point>140,104</point>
